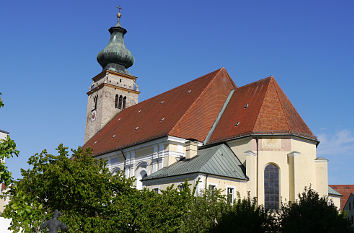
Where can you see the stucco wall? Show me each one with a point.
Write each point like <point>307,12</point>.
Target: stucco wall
<point>295,158</point>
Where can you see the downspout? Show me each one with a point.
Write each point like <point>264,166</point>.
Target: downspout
<point>125,159</point>
<point>206,181</point>
<point>257,170</point>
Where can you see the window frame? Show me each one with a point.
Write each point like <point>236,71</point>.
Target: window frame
<point>271,190</point>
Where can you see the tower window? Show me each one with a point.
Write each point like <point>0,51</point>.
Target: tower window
<point>271,187</point>
<point>120,102</point>
<point>116,100</point>
<point>124,102</point>
<point>95,102</point>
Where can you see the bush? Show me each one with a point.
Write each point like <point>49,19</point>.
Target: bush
<point>312,214</point>
<point>243,217</point>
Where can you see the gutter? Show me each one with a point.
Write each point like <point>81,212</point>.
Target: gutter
<point>125,159</point>
<point>260,134</point>
<point>203,173</point>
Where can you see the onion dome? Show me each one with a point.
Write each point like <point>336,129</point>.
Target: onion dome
<point>116,56</point>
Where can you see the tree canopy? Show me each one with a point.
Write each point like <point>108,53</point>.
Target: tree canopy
<point>93,199</point>
<point>312,213</point>
<point>7,150</point>
<point>89,197</point>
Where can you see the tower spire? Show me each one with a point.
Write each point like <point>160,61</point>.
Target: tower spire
<point>115,56</point>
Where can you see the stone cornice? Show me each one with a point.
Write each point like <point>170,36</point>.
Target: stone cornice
<point>112,86</point>
<point>103,73</point>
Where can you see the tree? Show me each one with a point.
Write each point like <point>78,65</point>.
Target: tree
<point>82,189</point>
<point>312,214</point>
<point>204,211</point>
<point>1,103</point>
<point>7,150</point>
<point>89,197</point>
<point>245,216</point>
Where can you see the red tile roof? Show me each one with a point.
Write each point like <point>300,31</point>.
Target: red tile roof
<point>268,111</point>
<point>187,111</point>
<point>345,190</point>
<point>190,110</point>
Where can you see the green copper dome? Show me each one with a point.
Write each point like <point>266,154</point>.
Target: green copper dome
<point>116,56</point>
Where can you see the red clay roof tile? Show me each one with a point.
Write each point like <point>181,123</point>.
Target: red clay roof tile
<point>269,111</point>
<point>188,111</point>
<point>345,190</point>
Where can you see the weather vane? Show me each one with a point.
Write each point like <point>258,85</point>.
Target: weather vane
<point>119,14</point>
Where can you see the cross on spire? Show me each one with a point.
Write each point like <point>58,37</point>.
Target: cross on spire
<point>119,14</point>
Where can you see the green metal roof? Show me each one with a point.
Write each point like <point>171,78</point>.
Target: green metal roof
<point>333,192</point>
<point>217,160</point>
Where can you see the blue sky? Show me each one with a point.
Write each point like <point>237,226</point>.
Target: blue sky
<point>48,57</point>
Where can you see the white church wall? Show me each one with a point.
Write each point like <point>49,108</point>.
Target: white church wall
<point>335,200</point>
<point>295,172</point>
<point>278,158</point>
<point>156,154</point>
<point>240,146</point>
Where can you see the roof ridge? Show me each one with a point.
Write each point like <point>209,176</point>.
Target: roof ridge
<point>184,84</point>
<point>281,104</point>
<point>151,99</point>
<point>261,80</point>
<point>198,98</point>
<point>259,110</point>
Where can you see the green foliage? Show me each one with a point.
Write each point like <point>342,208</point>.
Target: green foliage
<point>204,210</point>
<point>89,197</point>
<point>245,216</point>
<point>312,214</point>
<point>92,199</point>
<point>1,102</point>
<point>7,150</point>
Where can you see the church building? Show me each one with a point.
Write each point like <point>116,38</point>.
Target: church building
<point>240,139</point>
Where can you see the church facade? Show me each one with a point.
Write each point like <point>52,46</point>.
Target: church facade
<point>248,140</point>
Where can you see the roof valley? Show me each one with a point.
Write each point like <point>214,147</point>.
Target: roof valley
<point>194,102</point>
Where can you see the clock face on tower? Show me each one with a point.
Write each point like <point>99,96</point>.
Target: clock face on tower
<point>93,115</point>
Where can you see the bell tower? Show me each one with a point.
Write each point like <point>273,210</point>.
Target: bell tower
<point>114,89</point>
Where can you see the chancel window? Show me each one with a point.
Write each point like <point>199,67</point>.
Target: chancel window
<point>271,187</point>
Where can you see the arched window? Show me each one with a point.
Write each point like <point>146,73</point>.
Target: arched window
<point>271,187</point>
<point>139,184</point>
<point>120,102</point>
<point>116,101</point>
<point>124,101</point>
<point>115,170</point>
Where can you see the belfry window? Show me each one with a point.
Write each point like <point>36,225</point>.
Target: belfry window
<point>116,101</point>
<point>120,102</point>
<point>124,102</point>
<point>271,187</point>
